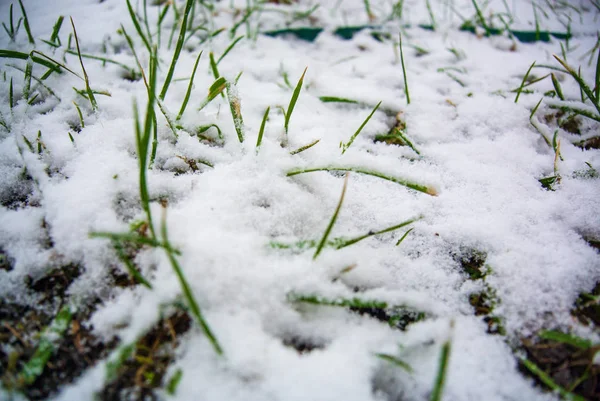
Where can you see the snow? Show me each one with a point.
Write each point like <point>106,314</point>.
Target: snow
<point>479,151</point>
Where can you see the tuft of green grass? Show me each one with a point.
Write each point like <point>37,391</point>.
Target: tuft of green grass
<point>293,101</point>
<point>582,85</point>
<point>323,241</point>
<point>345,146</point>
<point>178,47</point>
<point>11,30</point>
<point>409,184</point>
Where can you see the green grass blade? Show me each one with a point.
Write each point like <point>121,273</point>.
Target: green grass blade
<point>293,101</point>
<point>597,89</point>
<point>332,220</point>
<point>440,379</point>
<point>11,102</point>
<point>404,236</point>
<point>26,24</point>
<point>403,70</point>
<point>231,46</point>
<point>334,99</point>
<point>395,361</point>
<point>564,338</point>
<point>345,146</point>
<point>261,131</point>
<point>189,89</point>
<point>130,266</point>
<point>154,139</point>
<point>187,292</point>
<point>409,184</point>
<point>178,47</point>
<point>582,85</point>
<point>85,75</point>
<point>56,30</point>
<point>117,359</point>
<point>174,381</point>
<point>27,81</point>
<point>131,71</point>
<point>47,345</point>
<point>305,147</point>
<point>236,110</point>
<point>371,233</point>
<point>80,114</point>
<point>523,82</point>
<point>215,89</point>
<point>480,17</point>
<point>203,128</point>
<point>431,16</point>
<point>133,238</point>
<point>547,380</point>
<point>533,111</point>
<point>557,87</point>
<point>138,28</point>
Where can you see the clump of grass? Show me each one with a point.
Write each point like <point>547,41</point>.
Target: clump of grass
<point>345,146</point>
<point>409,184</point>
<point>293,100</point>
<point>11,31</point>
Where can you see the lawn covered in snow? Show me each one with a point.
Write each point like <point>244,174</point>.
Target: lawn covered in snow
<point>490,162</point>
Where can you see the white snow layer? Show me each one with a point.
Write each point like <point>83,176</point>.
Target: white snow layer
<point>478,150</point>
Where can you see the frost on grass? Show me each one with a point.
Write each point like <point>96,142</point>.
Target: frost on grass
<point>500,251</point>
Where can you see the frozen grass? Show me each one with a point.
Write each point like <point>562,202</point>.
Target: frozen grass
<point>279,279</point>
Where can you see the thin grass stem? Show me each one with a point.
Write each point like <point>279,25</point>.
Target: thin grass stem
<point>305,147</point>
<point>403,70</point>
<point>189,89</point>
<point>523,82</point>
<point>293,101</point>
<point>345,146</point>
<point>92,99</point>
<point>261,131</point>
<point>323,241</point>
<point>26,24</point>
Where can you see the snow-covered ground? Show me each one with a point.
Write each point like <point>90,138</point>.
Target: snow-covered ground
<point>478,150</point>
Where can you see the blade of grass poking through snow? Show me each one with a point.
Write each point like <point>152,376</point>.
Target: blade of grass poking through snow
<point>547,380</point>
<point>597,90</point>
<point>520,89</point>
<point>395,361</point>
<point>187,291</point>
<point>404,236</point>
<point>90,94</point>
<point>231,46</point>
<point>333,99</point>
<point>404,70</point>
<point>80,114</point>
<point>49,342</point>
<point>178,47</point>
<point>26,24</point>
<point>293,101</point>
<point>138,27</point>
<point>535,108</point>
<point>189,89</point>
<point>582,85</point>
<point>352,241</point>
<point>557,87</point>
<point>261,131</point>
<point>11,102</point>
<point>203,128</point>
<point>412,185</point>
<point>27,82</point>
<point>332,221</point>
<point>130,266</point>
<point>215,89</point>
<point>430,12</point>
<point>236,109</point>
<point>564,338</point>
<point>305,147</point>
<point>345,146</point>
<point>440,379</point>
